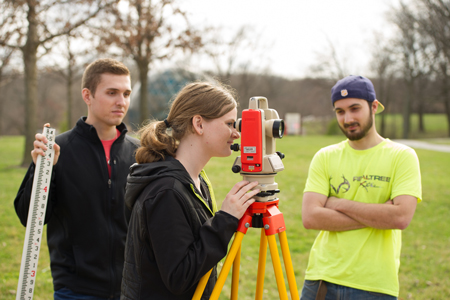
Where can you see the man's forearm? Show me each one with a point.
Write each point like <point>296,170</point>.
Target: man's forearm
<point>380,216</point>
<point>316,216</point>
<point>322,218</point>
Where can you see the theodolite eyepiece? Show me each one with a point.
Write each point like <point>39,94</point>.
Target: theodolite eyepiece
<point>235,147</point>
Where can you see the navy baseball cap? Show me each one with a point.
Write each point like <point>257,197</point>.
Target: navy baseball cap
<point>355,87</point>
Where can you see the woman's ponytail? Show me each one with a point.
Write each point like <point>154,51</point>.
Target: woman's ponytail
<point>156,143</point>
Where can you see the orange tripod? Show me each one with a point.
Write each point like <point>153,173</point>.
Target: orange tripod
<point>264,215</point>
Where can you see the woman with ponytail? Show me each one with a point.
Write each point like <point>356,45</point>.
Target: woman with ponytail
<point>176,233</point>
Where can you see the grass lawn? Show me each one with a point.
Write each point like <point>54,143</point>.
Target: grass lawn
<point>425,265</point>
<point>436,126</point>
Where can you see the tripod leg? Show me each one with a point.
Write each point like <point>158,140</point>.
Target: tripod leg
<point>227,265</point>
<point>201,286</point>
<point>261,266</point>
<point>288,265</point>
<point>235,275</point>
<point>277,267</point>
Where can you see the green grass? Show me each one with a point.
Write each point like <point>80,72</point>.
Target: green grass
<point>435,126</point>
<point>12,233</point>
<point>425,265</point>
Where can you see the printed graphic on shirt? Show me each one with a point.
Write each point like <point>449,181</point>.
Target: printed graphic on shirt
<point>365,181</point>
<point>345,185</point>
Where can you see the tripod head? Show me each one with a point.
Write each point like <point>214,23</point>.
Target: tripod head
<point>259,126</point>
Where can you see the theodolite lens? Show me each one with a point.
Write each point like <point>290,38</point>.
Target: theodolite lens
<point>278,129</point>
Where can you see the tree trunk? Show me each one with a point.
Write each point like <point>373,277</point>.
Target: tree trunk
<point>143,102</point>
<point>446,95</point>
<point>30,58</point>
<point>386,100</point>
<point>407,111</point>
<point>394,126</point>
<point>69,92</point>
<point>383,116</point>
<point>383,124</point>
<point>420,105</point>
<point>1,103</point>
<point>447,111</point>
<point>421,122</point>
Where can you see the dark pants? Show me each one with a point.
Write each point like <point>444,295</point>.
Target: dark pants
<point>66,294</point>
<point>335,291</point>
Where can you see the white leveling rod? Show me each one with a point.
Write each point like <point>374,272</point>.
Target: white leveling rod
<point>35,221</point>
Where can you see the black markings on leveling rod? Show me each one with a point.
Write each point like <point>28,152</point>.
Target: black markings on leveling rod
<point>35,221</point>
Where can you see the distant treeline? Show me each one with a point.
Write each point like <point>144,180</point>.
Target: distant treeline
<point>308,96</point>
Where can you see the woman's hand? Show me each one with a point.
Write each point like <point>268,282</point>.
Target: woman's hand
<point>239,198</point>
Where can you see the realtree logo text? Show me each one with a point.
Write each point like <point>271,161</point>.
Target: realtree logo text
<point>364,180</point>
<point>372,177</point>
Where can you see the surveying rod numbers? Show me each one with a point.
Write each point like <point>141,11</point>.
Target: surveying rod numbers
<point>36,217</point>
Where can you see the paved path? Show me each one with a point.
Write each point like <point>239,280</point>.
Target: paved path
<point>425,145</point>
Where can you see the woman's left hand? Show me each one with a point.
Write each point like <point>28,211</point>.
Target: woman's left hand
<point>239,198</point>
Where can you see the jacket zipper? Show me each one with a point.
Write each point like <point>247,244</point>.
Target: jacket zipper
<point>110,204</point>
<point>211,193</point>
<point>194,189</point>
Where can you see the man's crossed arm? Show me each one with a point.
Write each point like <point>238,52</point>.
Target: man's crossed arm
<point>336,214</point>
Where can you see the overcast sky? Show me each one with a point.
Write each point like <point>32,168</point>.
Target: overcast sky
<point>298,29</point>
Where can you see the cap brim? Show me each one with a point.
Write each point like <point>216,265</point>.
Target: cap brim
<point>380,107</point>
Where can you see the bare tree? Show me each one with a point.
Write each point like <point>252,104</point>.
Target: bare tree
<point>148,31</point>
<point>382,65</point>
<point>445,89</point>
<point>434,21</point>
<point>39,23</point>
<point>235,52</point>
<point>69,80</point>
<point>5,55</point>
<point>413,50</point>
<point>330,63</point>
<point>75,50</point>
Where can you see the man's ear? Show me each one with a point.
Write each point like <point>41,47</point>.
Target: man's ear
<point>86,94</point>
<point>197,124</point>
<point>374,106</point>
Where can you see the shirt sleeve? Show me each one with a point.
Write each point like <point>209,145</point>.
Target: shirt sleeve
<point>318,178</point>
<point>407,178</point>
<point>23,197</point>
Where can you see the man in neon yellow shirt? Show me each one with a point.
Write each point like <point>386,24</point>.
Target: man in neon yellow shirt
<point>360,193</point>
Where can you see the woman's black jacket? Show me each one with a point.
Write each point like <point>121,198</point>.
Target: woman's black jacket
<point>174,236</point>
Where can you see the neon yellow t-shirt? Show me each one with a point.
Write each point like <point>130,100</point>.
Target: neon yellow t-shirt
<point>368,258</point>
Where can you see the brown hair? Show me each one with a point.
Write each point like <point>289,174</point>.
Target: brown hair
<point>93,72</point>
<point>199,98</point>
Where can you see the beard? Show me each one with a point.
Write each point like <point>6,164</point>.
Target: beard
<point>357,134</point>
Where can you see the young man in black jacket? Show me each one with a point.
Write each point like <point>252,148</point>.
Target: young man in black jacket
<point>86,217</point>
